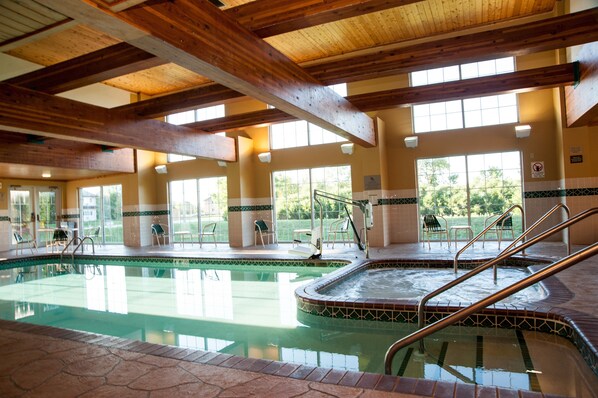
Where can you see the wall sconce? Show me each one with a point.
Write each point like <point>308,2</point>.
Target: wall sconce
<point>347,148</point>
<point>221,163</point>
<point>411,142</point>
<point>265,157</point>
<point>161,169</point>
<point>523,131</point>
<point>46,174</point>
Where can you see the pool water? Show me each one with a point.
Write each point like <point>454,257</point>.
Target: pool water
<point>252,312</point>
<point>415,283</point>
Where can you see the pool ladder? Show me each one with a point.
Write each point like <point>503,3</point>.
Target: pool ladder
<point>463,313</point>
<point>79,245</point>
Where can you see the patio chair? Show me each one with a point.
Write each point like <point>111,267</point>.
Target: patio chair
<point>504,224</point>
<point>264,228</point>
<point>338,228</point>
<point>96,236</point>
<point>60,238</point>
<point>432,226</point>
<point>208,230</point>
<point>25,241</point>
<point>159,232</point>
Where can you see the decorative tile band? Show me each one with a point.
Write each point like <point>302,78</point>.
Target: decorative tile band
<point>146,213</point>
<point>4,218</point>
<point>69,216</point>
<point>559,193</point>
<point>232,209</point>
<point>397,201</point>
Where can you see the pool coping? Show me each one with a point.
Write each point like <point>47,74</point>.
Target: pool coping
<point>581,325</point>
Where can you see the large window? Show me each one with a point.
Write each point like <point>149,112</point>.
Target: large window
<point>472,112</point>
<point>197,202</point>
<point>301,133</point>
<point>293,194</point>
<point>468,189</point>
<point>101,207</point>
<point>194,115</point>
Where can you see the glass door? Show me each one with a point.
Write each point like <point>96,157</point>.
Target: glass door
<point>33,212</point>
<point>101,213</point>
<point>22,216</point>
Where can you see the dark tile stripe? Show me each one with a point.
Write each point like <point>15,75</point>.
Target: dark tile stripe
<point>479,360</point>
<point>527,360</point>
<point>405,362</point>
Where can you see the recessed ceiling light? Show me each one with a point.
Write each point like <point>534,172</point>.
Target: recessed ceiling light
<point>46,174</point>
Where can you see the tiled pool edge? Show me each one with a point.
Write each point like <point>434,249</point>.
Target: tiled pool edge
<point>543,316</point>
<point>363,380</point>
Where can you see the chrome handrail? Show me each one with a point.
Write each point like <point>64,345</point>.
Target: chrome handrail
<point>67,246</point>
<point>465,312</point>
<point>492,224</point>
<point>93,248</point>
<point>534,225</point>
<point>420,310</point>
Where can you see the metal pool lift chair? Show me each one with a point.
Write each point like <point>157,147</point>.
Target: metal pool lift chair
<point>21,241</point>
<point>431,226</point>
<point>502,225</point>
<point>264,228</point>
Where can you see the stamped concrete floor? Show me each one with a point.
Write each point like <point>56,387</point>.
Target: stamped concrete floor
<point>40,361</point>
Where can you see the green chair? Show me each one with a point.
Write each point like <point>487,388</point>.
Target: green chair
<point>503,224</point>
<point>159,232</point>
<point>432,226</point>
<point>264,228</point>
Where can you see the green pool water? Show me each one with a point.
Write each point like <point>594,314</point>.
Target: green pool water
<point>251,311</point>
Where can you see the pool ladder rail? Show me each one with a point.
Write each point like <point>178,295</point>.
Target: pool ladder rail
<point>79,245</point>
<point>463,313</point>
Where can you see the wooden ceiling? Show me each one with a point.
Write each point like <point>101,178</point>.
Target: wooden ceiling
<point>323,37</point>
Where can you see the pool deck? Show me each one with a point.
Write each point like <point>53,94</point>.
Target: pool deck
<point>45,361</point>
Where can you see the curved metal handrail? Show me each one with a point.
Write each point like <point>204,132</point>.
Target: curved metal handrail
<point>465,312</point>
<point>538,276</point>
<point>67,246</point>
<point>492,224</point>
<point>93,248</point>
<point>534,225</point>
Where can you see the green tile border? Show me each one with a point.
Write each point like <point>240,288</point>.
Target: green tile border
<point>4,218</point>
<point>146,213</point>
<point>233,209</point>
<point>561,193</point>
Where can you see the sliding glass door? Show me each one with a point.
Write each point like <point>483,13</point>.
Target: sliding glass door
<point>34,212</point>
<point>101,213</point>
<point>465,190</point>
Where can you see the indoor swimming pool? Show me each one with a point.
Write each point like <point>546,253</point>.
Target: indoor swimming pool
<point>250,310</point>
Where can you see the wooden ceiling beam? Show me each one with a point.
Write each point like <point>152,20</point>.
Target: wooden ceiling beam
<point>32,112</point>
<point>198,36</point>
<point>515,82</point>
<point>548,34</point>
<point>520,81</point>
<point>577,28</point>
<point>193,98</point>
<point>107,63</point>
<point>17,149</point>
<point>261,16</point>
<point>273,17</point>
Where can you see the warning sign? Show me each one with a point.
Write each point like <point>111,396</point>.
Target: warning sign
<point>537,169</point>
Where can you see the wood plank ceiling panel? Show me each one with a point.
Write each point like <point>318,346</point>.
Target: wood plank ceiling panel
<point>423,19</point>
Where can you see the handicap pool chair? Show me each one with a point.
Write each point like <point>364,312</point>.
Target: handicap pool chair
<point>314,250</point>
